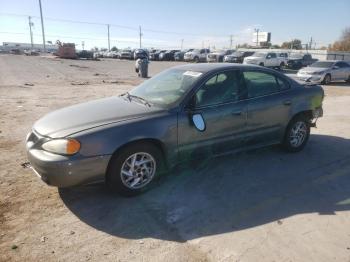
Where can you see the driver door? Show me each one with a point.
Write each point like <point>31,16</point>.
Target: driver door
<point>218,103</point>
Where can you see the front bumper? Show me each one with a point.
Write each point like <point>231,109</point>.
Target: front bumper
<point>65,171</point>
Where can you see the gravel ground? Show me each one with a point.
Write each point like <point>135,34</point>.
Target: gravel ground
<point>262,205</point>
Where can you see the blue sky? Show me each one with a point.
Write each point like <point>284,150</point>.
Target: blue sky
<point>166,23</point>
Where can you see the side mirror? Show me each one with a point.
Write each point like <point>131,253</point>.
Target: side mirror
<point>198,122</point>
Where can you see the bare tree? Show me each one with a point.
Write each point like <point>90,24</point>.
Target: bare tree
<point>343,44</point>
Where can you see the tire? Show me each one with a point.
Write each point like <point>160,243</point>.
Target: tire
<point>261,64</point>
<point>196,59</point>
<point>281,65</point>
<point>327,79</point>
<point>128,183</point>
<point>299,126</point>
<point>348,80</point>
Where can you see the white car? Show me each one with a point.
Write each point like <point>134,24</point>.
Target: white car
<point>197,55</point>
<point>218,55</point>
<point>325,71</point>
<point>270,59</point>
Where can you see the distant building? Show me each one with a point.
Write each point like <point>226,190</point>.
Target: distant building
<point>8,46</point>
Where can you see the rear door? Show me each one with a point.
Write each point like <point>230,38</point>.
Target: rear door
<point>269,106</point>
<point>271,60</point>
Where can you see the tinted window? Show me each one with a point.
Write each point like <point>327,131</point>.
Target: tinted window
<point>260,84</point>
<point>221,88</point>
<point>342,64</point>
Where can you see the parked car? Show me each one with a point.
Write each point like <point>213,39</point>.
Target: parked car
<point>270,59</point>
<point>155,55</point>
<point>179,56</point>
<point>197,55</point>
<point>325,72</point>
<point>32,52</point>
<point>297,61</point>
<point>168,55</point>
<point>140,53</point>
<point>218,56</point>
<point>85,54</point>
<point>126,54</point>
<point>237,57</point>
<point>186,111</point>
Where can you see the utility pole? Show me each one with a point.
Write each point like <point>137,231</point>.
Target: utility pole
<point>182,43</point>
<point>83,44</point>
<point>231,41</point>
<point>42,25</point>
<point>140,35</point>
<point>109,40</point>
<point>257,36</point>
<point>31,32</point>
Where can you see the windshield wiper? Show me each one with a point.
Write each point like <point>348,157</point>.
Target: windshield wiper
<point>141,99</point>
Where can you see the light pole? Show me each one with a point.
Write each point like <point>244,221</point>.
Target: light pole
<point>31,32</point>
<point>42,25</point>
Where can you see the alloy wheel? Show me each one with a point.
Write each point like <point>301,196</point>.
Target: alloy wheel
<point>298,134</point>
<point>138,170</point>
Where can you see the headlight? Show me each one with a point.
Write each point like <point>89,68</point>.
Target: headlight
<point>62,146</point>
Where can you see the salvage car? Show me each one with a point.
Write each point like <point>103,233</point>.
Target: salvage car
<point>218,55</point>
<point>155,55</point>
<point>179,56</point>
<point>197,55</point>
<point>325,72</point>
<point>297,61</point>
<point>126,54</point>
<point>186,112</point>
<point>237,57</point>
<point>168,55</point>
<point>270,59</point>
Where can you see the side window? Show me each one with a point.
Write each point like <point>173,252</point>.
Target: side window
<point>260,83</point>
<point>202,51</point>
<point>342,64</point>
<point>221,88</point>
<point>283,84</point>
<point>273,55</point>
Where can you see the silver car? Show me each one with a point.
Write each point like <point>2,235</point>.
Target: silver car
<point>325,71</point>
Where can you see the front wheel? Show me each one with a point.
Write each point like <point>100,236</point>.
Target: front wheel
<point>327,79</point>
<point>261,64</point>
<point>134,168</point>
<point>297,134</point>
<point>196,59</point>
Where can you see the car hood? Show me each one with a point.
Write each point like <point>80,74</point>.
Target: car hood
<point>313,69</point>
<point>73,119</point>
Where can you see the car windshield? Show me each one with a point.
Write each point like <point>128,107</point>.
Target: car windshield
<point>322,64</point>
<point>298,56</point>
<point>259,54</point>
<point>166,88</point>
<point>237,54</point>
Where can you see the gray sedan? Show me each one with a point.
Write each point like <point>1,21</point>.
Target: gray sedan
<point>325,72</point>
<point>184,113</point>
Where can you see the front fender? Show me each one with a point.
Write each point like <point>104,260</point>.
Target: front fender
<point>106,140</point>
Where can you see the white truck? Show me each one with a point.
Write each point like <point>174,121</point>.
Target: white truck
<point>270,59</point>
<point>197,55</point>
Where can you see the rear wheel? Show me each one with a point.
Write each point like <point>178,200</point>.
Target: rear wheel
<point>297,134</point>
<point>133,169</point>
<point>348,80</point>
<point>196,59</point>
<point>327,79</point>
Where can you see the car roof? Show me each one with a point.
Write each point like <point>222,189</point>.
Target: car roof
<point>209,67</point>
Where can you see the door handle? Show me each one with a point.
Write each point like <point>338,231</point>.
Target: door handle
<point>237,113</point>
<point>287,102</point>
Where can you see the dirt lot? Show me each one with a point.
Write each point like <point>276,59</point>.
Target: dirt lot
<point>264,205</point>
